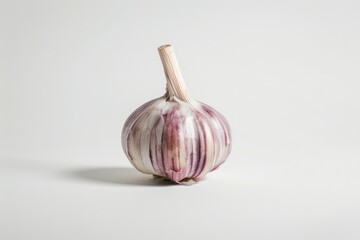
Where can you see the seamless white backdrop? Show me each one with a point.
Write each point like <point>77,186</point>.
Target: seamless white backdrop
<point>284,73</point>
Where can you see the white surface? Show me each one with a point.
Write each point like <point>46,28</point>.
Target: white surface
<point>284,73</point>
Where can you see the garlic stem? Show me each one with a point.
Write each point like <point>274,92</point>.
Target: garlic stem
<point>175,82</point>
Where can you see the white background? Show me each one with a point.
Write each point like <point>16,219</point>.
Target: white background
<point>286,74</point>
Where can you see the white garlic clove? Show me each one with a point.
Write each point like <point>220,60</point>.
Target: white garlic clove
<point>174,136</point>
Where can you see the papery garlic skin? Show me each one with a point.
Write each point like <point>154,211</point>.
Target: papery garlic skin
<point>176,140</point>
<point>174,136</point>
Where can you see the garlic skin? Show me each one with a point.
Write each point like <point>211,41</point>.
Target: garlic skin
<point>174,136</point>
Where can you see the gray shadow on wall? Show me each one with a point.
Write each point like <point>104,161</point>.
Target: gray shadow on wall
<point>117,176</point>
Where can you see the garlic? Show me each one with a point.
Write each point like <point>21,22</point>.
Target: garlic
<point>175,137</point>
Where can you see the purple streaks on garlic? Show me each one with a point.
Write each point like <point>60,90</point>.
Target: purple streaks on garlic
<point>174,136</point>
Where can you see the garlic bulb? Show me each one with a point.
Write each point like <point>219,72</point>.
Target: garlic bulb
<point>175,137</point>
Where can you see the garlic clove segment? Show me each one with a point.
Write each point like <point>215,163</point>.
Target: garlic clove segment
<point>174,136</point>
